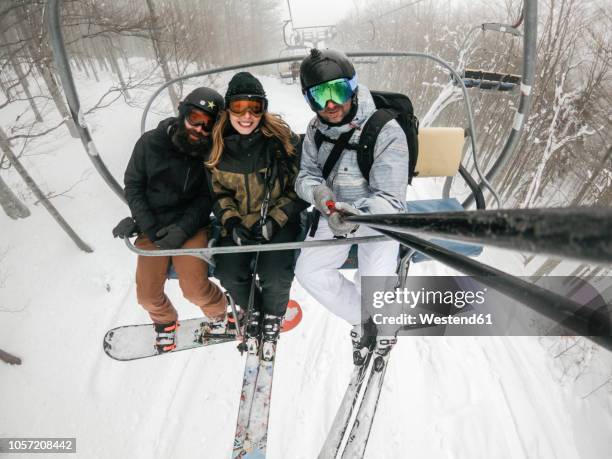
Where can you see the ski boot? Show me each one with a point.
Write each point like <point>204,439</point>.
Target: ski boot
<point>222,326</point>
<point>218,326</point>
<point>384,344</point>
<point>363,337</point>
<point>252,332</point>
<point>165,340</point>
<point>271,330</point>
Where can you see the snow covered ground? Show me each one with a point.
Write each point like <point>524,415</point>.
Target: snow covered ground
<point>443,397</point>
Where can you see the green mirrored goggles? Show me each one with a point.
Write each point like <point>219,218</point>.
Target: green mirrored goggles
<point>338,91</point>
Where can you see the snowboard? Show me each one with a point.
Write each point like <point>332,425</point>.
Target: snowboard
<point>132,342</point>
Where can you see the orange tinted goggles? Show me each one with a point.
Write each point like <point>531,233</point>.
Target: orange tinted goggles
<point>239,107</point>
<point>198,118</point>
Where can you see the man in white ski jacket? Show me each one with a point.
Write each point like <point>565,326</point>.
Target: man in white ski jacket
<point>330,87</point>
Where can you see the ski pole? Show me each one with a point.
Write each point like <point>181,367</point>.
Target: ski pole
<point>249,312</point>
<point>263,215</point>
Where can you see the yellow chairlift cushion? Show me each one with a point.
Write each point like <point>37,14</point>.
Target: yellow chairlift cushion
<point>440,151</point>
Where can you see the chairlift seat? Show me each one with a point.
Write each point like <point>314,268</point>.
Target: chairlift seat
<point>482,79</point>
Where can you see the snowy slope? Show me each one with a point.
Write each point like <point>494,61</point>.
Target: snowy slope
<point>443,397</point>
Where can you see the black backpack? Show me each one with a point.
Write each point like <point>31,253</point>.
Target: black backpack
<point>390,105</point>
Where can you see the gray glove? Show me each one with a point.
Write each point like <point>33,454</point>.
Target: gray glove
<point>336,222</point>
<point>320,195</point>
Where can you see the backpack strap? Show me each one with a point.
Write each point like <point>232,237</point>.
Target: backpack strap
<point>337,150</point>
<point>369,135</point>
<point>330,162</point>
<point>319,138</point>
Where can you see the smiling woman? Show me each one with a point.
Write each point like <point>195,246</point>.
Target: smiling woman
<point>245,113</point>
<point>253,166</point>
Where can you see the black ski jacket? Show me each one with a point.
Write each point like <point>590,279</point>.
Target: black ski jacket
<point>164,185</point>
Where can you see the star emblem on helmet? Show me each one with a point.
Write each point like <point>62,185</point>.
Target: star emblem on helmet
<point>211,105</point>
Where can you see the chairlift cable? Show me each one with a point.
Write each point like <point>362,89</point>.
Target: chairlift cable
<point>386,13</point>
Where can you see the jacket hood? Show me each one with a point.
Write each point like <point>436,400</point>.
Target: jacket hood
<point>164,126</point>
<point>161,135</point>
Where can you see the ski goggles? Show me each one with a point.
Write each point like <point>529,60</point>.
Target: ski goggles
<point>254,104</point>
<point>197,118</point>
<point>338,91</point>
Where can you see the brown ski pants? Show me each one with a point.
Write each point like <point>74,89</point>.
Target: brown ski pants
<point>193,280</point>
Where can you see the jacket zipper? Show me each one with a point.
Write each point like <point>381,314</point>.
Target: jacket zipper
<point>248,193</point>
<point>186,179</point>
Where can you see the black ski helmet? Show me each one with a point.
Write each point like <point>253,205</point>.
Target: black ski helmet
<point>206,99</point>
<point>324,65</point>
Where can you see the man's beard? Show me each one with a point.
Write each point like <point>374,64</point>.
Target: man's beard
<point>198,148</point>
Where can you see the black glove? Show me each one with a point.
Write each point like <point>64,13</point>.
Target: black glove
<point>171,237</point>
<point>267,231</point>
<point>240,234</point>
<point>126,228</point>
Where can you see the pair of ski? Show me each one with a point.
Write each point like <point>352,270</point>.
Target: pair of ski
<point>372,372</point>
<point>251,435</point>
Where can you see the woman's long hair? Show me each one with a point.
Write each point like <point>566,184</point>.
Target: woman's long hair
<point>271,125</point>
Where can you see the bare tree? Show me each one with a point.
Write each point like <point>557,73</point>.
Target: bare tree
<point>30,34</point>
<point>11,204</point>
<point>5,147</point>
<point>160,52</point>
<point>562,158</point>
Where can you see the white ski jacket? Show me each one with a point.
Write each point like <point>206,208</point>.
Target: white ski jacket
<point>386,190</point>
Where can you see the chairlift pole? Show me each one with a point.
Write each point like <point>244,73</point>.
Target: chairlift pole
<point>65,74</point>
<point>581,233</point>
<point>522,113</point>
<point>207,253</point>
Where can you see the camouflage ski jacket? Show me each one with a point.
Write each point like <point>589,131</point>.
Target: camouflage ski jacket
<point>239,185</point>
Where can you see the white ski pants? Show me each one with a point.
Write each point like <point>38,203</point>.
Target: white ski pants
<point>317,271</point>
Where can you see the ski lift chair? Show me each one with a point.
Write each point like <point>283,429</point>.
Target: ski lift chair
<point>290,71</point>
<point>491,80</point>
